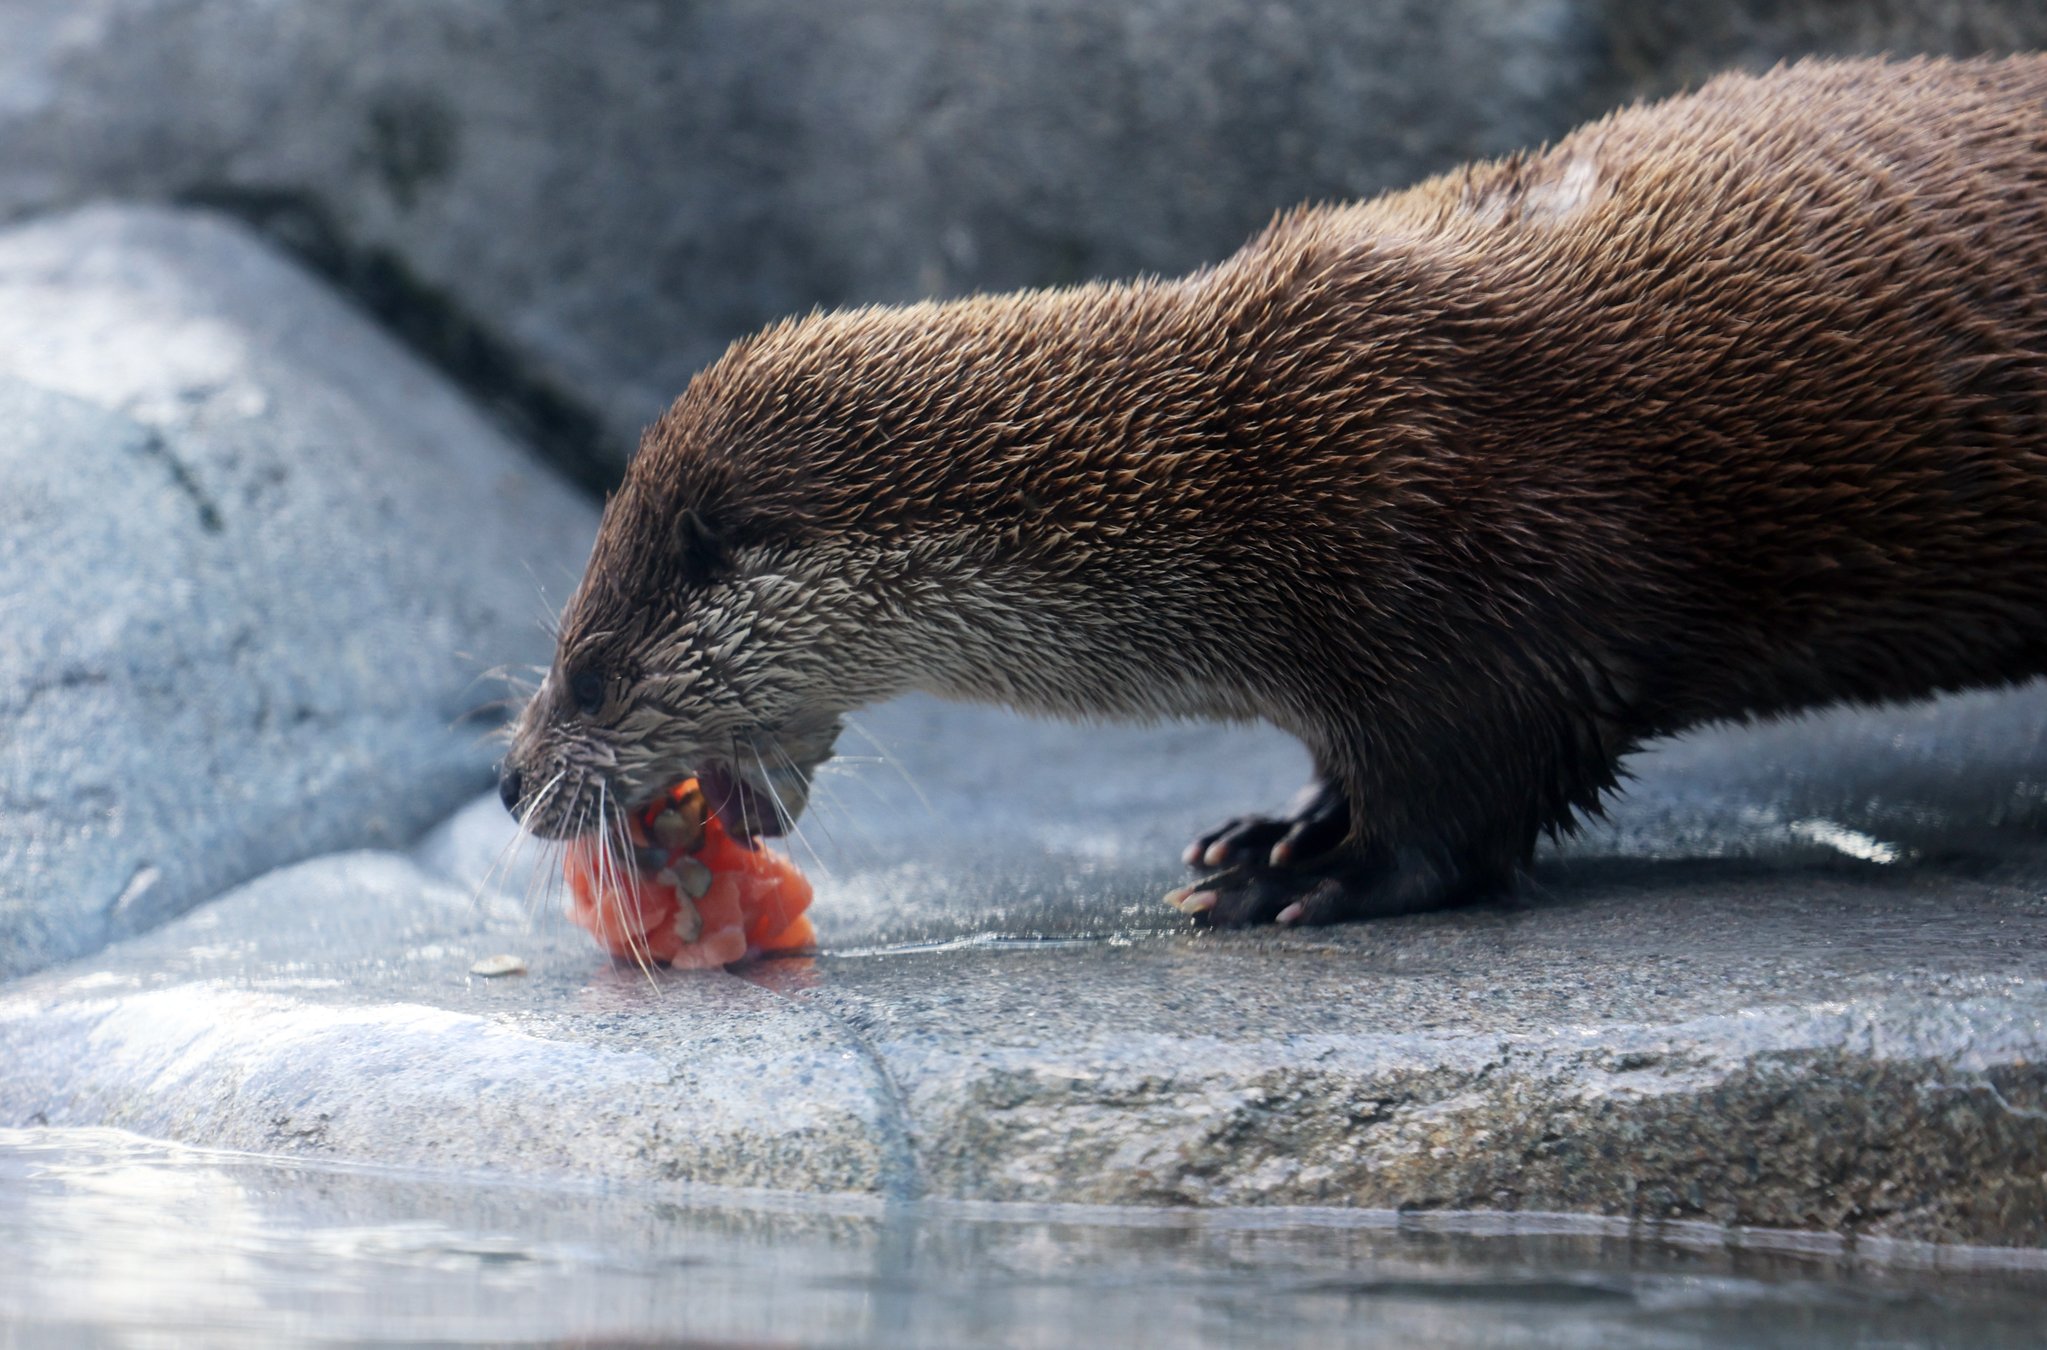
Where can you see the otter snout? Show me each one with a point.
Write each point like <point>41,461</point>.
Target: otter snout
<point>510,783</point>
<point>558,784</point>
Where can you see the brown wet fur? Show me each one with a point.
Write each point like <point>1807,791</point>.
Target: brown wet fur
<point>1722,407</point>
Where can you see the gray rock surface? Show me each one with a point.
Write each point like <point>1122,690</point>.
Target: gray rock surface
<point>575,207</point>
<point>1811,995</point>
<point>329,1008</point>
<point>249,596</point>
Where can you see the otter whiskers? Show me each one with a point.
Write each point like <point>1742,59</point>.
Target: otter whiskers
<point>785,818</point>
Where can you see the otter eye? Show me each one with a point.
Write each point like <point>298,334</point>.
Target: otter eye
<point>705,557</point>
<point>586,688</point>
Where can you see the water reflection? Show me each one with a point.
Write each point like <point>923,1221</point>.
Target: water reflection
<point>114,1240</point>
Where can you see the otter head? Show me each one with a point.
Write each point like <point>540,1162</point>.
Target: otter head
<point>694,647</point>
<point>962,498</point>
<point>735,606</point>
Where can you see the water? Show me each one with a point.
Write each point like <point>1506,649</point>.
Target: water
<point>116,1241</point>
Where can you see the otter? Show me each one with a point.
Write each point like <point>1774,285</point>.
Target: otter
<point>1721,408</point>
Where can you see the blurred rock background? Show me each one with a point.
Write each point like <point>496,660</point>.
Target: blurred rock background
<point>571,207</point>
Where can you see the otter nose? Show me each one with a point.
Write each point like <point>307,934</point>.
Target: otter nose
<point>508,787</point>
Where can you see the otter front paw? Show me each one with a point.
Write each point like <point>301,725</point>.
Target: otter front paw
<point>1386,882</point>
<point>1315,821</point>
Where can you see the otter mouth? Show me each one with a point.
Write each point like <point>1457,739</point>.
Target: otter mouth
<point>763,800</point>
<point>745,808</point>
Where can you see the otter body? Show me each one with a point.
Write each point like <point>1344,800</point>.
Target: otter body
<point>1723,407</point>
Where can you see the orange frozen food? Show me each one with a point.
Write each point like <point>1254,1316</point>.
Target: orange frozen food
<point>694,896</point>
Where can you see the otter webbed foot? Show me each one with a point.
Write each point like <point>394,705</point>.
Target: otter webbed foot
<point>1305,867</point>
<point>1336,889</point>
<point>1393,881</point>
<point>1315,822</point>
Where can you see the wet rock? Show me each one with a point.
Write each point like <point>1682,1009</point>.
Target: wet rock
<point>329,1009</point>
<point>1700,1012</point>
<point>574,209</point>
<point>1798,979</point>
<point>1596,1055</point>
<point>251,595</point>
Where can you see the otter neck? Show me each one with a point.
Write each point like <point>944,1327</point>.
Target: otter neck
<point>1124,528</point>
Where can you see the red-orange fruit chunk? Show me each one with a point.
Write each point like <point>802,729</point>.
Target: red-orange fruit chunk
<point>755,902</point>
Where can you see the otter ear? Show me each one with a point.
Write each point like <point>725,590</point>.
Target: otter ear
<point>705,551</point>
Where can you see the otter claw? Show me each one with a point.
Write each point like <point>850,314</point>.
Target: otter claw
<point>1384,881</point>
<point>1313,824</point>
